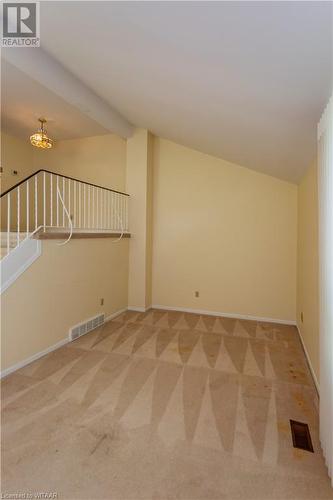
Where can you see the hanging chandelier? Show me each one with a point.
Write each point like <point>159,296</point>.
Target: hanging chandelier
<point>40,138</point>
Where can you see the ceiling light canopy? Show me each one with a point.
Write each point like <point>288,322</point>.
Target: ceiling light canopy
<point>40,138</point>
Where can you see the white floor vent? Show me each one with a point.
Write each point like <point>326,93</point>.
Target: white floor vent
<point>85,327</point>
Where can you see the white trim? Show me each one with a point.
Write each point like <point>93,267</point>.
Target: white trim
<point>38,355</point>
<point>18,261</point>
<point>309,361</point>
<point>114,315</point>
<point>139,309</point>
<point>227,315</point>
<point>32,358</point>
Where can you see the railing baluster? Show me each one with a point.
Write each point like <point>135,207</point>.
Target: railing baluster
<point>57,201</point>
<point>44,200</point>
<point>117,196</point>
<point>119,212</point>
<point>51,200</point>
<point>122,212</point>
<point>115,211</point>
<point>97,208</point>
<point>108,209</point>
<point>112,211</point>
<point>8,224</point>
<point>69,199</point>
<point>89,214</point>
<point>18,200</point>
<point>74,205</point>
<point>27,206</point>
<point>93,207</point>
<point>36,203</point>
<point>103,208</point>
<point>84,205</point>
<point>63,199</point>
<point>80,214</point>
<point>126,202</point>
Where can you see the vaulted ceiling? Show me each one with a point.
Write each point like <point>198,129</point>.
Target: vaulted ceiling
<point>245,81</point>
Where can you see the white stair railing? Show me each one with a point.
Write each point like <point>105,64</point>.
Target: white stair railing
<point>46,200</point>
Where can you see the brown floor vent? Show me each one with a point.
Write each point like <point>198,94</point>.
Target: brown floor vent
<point>301,435</point>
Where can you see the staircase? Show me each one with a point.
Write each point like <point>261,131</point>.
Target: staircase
<point>49,205</point>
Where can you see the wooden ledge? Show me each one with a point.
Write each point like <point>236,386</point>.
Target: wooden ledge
<point>51,234</point>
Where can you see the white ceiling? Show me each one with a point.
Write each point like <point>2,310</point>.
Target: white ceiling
<point>245,81</point>
<point>24,100</point>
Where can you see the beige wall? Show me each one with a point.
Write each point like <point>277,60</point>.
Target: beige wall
<point>224,230</point>
<point>61,288</point>
<point>307,266</point>
<point>99,160</point>
<point>16,154</point>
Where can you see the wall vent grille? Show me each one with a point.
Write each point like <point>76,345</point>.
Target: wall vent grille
<point>85,327</point>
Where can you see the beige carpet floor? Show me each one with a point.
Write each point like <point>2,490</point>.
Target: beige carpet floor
<point>165,405</point>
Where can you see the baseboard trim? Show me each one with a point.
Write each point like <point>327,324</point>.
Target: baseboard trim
<point>226,315</point>
<point>115,314</point>
<point>314,377</point>
<point>33,358</point>
<point>53,347</point>
<point>139,309</point>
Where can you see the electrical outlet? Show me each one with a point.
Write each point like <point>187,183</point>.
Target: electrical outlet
<point>196,294</point>
<point>302,317</point>
<point>102,302</point>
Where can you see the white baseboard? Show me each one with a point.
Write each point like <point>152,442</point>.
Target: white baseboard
<point>38,355</point>
<point>139,309</point>
<point>32,358</point>
<point>115,314</point>
<point>227,315</point>
<point>309,361</point>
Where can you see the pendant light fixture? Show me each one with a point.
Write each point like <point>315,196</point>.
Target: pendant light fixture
<point>40,138</point>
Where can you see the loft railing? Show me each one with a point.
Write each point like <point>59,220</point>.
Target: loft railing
<point>47,200</point>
